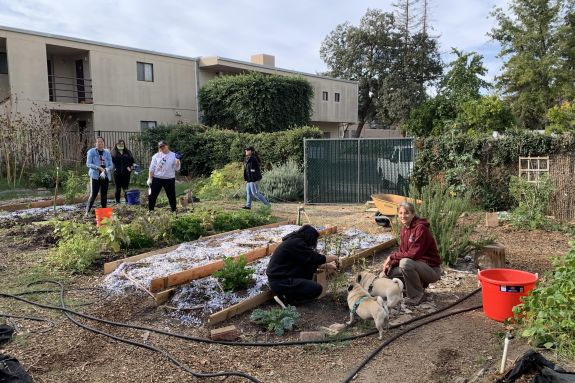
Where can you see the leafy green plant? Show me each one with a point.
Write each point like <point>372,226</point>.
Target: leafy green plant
<point>76,252</point>
<point>283,183</point>
<point>223,183</point>
<point>65,230</point>
<point>442,209</point>
<point>137,239</point>
<point>547,314</point>
<point>187,227</point>
<point>227,221</point>
<point>234,275</point>
<point>113,234</point>
<point>74,185</point>
<point>532,202</point>
<point>44,176</point>
<point>561,118</point>
<point>277,319</point>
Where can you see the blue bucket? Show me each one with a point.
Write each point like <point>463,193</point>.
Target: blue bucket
<point>133,197</point>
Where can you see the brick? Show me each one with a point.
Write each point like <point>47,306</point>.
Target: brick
<point>225,333</point>
<point>311,336</point>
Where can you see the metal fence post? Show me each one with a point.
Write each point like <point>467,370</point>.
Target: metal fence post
<point>358,168</point>
<point>305,171</point>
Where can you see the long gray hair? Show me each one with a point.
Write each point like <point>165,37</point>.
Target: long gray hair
<point>408,206</point>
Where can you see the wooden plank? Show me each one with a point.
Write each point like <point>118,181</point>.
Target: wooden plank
<point>225,333</point>
<point>111,266</point>
<point>349,261</point>
<point>185,276</point>
<point>240,307</point>
<point>163,297</point>
<point>189,275</point>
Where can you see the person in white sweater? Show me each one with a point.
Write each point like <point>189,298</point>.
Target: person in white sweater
<point>162,174</point>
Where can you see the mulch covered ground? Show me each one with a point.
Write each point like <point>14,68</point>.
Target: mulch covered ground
<point>460,346</point>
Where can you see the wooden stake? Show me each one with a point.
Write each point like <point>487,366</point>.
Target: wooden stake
<point>240,307</point>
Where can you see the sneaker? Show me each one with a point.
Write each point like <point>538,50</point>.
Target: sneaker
<point>246,207</point>
<point>414,301</point>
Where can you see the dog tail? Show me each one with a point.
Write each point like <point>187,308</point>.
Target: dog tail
<point>399,283</point>
<point>381,302</point>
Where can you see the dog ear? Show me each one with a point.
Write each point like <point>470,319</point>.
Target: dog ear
<point>350,287</point>
<point>358,279</point>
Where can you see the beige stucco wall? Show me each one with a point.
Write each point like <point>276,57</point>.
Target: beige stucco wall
<point>4,86</point>
<point>120,101</point>
<point>330,111</point>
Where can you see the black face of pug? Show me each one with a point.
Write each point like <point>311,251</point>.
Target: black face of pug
<point>349,288</point>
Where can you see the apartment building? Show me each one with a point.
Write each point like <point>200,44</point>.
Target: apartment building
<point>104,87</point>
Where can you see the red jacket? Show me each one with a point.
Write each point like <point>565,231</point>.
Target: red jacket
<point>417,243</point>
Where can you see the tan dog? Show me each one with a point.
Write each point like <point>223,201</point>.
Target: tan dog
<point>389,289</point>
<point>361,303</point>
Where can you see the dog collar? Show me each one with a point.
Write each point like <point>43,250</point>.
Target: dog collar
<point>357,303</point>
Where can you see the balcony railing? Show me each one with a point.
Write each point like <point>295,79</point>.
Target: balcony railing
<point>70,89</point>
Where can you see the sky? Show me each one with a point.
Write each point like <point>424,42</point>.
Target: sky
<point>292,30</point>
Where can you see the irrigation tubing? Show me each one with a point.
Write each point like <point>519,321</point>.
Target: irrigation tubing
<point>395,337</point>
<point>35,319</point>
<point>67,312</point>
<point>226,343</point>
<point>167,355</point>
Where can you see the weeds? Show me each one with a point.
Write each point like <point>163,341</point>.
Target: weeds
<point>276,319</point>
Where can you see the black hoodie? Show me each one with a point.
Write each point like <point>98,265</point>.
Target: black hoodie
<point>296,256</point>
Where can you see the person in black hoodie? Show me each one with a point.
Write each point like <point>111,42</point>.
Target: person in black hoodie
<point>293,263</point>
<point>123,164</point>
<point>252,175</point>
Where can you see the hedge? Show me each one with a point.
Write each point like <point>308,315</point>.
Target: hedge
<point>205,149</point>
<point>256,102</point>
<point>483,166</point>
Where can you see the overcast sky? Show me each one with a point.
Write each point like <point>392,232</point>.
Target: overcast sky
<point>292,30</point>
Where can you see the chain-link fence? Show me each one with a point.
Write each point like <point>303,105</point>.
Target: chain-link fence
<point>351,170</point>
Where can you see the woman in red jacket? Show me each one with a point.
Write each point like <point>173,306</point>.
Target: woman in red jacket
<point>417,262</point>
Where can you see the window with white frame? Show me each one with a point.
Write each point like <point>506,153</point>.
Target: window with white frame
<point>336,97</point>
<point>145,125</point>
<point>324,96</point>
<point>145,72</point>
<point>531,168</point>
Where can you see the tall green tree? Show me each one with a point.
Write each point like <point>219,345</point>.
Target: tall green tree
<point>392,72</point>
<point>529,37</point>
<point>365,54</point>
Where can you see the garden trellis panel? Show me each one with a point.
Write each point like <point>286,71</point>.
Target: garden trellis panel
<point>351,170</point>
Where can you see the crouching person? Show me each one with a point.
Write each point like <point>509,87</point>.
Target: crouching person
<point>417,262</point>
<point>293,264</point>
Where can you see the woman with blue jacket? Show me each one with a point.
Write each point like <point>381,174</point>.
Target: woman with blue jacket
<point>99,163</point>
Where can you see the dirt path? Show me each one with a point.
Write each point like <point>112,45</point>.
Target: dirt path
<point>458,346</point>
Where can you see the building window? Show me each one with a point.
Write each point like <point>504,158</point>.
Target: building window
<point>3,63</point>
<point>324,96</point>
<point>336,97</point>
<point>145,125</point>
<point>145,72</point>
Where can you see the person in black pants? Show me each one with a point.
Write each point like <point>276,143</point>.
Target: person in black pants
<point>162,174</point>
<point>123,163</point>
<point>293,263</point>
<point>99,163</point>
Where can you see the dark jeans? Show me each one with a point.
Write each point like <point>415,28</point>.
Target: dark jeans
<point>101,186</point>
<point>295,289</point>
<point>122,183</point>
<point>169,186</point>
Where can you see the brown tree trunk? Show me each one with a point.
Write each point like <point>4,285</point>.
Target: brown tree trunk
<point>357,133</point>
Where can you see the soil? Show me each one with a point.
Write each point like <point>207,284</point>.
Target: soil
<point>463,346</point>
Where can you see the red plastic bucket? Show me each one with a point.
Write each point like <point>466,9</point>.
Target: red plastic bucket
<point>101,213</point>
<point>502,290</point>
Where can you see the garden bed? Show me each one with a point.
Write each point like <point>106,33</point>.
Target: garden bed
<point>195,301</point>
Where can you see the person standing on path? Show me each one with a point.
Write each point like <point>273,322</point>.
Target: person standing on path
<point>100,165</point>
<point>123,164</point>
<point>252,175</point>
<point>162,174</point>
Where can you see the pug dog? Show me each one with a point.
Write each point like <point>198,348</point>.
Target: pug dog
<point>389,289</point>
<point>361,303</point>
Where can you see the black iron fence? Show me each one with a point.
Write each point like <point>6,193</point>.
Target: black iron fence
<point>351,170</point>
<point>70,89</point>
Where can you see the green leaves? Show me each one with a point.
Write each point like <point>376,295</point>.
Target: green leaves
<point>234,275</point>
<point>547,314</point>
<point>256,102</point>
<point>533,200</point>
<point>283,183</point>
<point>277,319</point>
